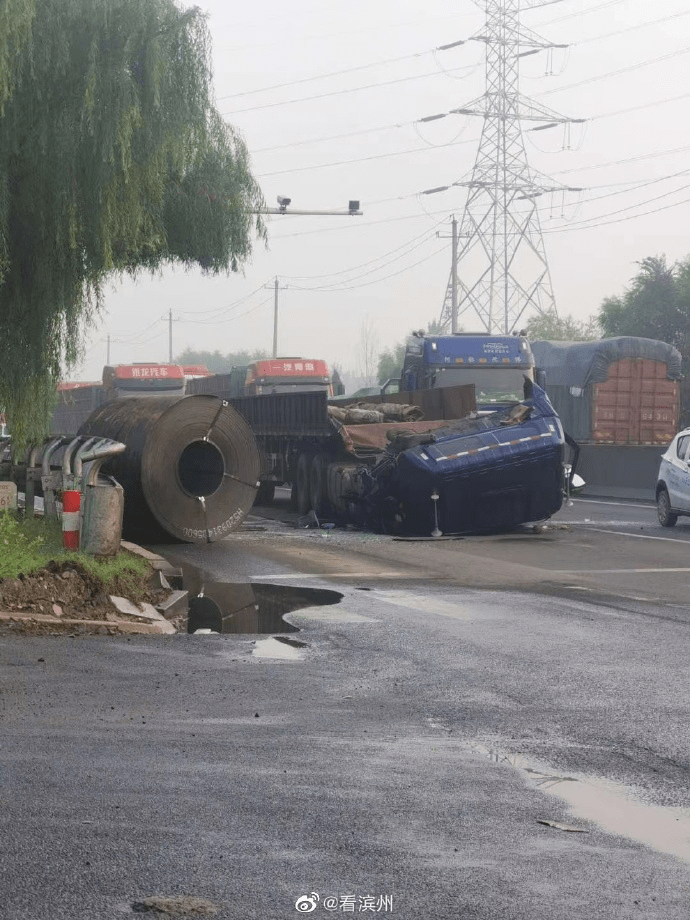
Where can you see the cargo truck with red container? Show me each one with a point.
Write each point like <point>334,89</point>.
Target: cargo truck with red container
<point>76,400</point>
<point>619,398</point>
<point>282,375</point>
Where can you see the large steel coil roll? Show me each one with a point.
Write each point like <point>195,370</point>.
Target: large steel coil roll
<point>190,470</point>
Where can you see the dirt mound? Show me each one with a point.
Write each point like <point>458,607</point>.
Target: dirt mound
<point>51,600</point>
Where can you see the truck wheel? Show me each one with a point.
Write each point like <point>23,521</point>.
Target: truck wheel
<point>317,485</point>
<point>303,496</point>
<point>663,506</point>
<point>265,494</point>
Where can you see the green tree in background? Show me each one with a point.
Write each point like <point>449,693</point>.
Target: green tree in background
<point>552,328</point>
<point>218,363</point>
<point>655,306</point>
<point>113,159</point>
<point>391,363</point>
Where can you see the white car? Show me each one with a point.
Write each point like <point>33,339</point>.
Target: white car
<point>673,481</point>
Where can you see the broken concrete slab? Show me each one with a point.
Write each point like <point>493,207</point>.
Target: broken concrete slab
<point>144,611</point>
<point>176,603</point>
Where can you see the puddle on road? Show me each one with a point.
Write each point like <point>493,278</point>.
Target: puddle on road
<point>246,608</point>
<point>615,808</point>
<point>277,647</point>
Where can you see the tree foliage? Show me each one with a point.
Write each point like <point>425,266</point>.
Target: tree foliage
<point>218,363</point>
<point>656,305</point>
<point>391,363</point>
<point>16,17</point>
<point>113,158</point>
<point>554,328</point>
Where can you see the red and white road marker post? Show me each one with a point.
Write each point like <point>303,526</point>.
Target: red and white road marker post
<point>71,503</point>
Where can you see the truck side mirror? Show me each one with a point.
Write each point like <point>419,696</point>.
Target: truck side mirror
<point>541,378</point>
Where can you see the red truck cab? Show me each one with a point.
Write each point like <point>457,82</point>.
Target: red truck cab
<point>287,375</point>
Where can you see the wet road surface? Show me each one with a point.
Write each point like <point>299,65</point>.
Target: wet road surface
<point>493,727</point>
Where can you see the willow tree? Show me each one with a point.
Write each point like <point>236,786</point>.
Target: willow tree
<point>113,159</point>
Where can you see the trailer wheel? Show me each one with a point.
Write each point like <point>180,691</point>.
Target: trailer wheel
<point>303,493</point>
<point>317,485</point>
<point>265,493</point>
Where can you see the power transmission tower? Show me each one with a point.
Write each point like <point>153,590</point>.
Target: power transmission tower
<point>502,270</point>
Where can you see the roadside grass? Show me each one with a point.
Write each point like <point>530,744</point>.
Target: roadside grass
<point>28,545</point>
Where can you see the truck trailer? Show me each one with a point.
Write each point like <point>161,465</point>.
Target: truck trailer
<point>76,401</point>
<point>422,462</point>
<point>620,399</point>
<point>270,375</point>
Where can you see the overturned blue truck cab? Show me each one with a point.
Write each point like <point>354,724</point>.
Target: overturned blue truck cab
<point>489,473</point>
<point>471,475</point>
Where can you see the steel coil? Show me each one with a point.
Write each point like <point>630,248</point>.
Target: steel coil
<point>190,469</point>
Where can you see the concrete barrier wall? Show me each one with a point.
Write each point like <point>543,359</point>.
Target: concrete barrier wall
<point>619,472</point>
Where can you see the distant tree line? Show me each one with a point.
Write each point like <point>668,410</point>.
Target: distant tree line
<point>218,363</point>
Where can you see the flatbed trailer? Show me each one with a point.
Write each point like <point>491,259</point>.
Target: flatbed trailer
<point>450,472</point>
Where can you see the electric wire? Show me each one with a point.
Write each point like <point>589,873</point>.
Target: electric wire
<point>416,239</point>
<point>226,307</point>
<point>578,13</point>
<point>353,287</point>
<point>375,156</point>
<point>603,223</point>
<point>331,137</point>
<point>641,156</point>
<point>342,92</point>
<point>229,319</point>
<point>348,283</point>
<point>326,76</point>
<point>119,339</point>
<point>369,223</point>
<point>615,113</point>
<point>636,205</point>
<point>368,29</point>
<point>635,28</point>
<point>615,73</point>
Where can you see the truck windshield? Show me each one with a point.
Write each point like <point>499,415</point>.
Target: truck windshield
<point>491,384</point>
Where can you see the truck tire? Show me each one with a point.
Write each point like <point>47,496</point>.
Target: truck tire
<point>317,485</point>
<point>265,493</point>
<point>303,492</point>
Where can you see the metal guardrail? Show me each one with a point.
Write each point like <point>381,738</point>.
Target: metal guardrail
<point>79,466</point>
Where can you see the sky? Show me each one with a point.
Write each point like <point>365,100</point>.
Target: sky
<point>329,98</point>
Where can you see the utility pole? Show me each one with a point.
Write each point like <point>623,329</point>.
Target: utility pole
<point>107,352</point>
<point>504,268</point>
<point>276,288</point>
<point>283,203</point>
<point>170,322</point>
<point>275,319</point>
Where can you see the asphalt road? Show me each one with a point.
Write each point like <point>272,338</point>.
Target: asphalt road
<point>400,760</point>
